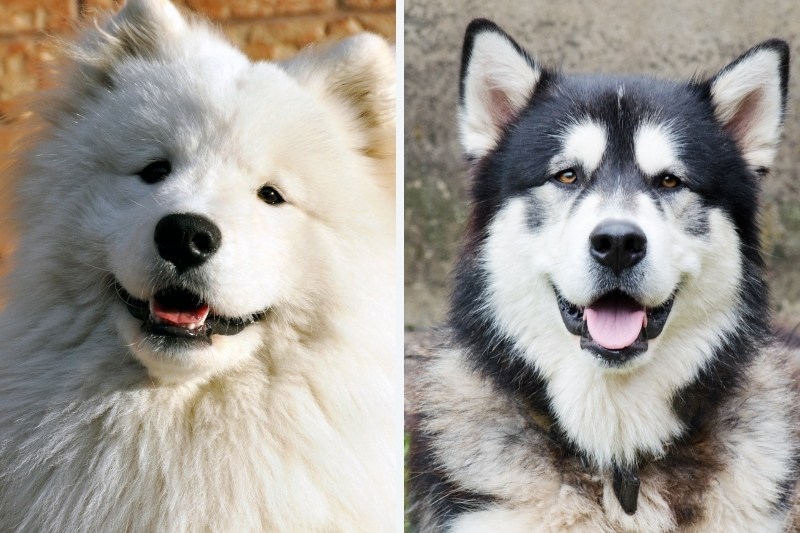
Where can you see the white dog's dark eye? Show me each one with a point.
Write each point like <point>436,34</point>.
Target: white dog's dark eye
<point>668,181</point>
<point>155,171</point>
<point>270,195</point>
<point>567,177</point>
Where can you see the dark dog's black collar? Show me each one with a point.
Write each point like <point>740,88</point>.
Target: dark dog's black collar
<point>625,479</point>
<point>626,487</point>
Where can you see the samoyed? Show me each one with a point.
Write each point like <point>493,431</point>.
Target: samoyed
<point>199,327</point>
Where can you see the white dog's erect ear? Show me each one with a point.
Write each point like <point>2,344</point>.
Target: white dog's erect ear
<point>497,79</point>
<point>149,16</point>
<point>358,72</point>
<point>139,30</point>
<point>142,28</point>
<point>749,97</point>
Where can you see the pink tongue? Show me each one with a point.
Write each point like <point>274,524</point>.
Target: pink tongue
<point>614,325</point>
<point>180,318</point>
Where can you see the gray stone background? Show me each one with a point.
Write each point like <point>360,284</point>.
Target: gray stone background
<point>678,38</point>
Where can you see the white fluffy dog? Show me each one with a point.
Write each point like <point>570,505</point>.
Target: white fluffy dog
<point>199,328</point>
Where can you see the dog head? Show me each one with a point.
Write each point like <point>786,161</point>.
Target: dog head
<point>626,204</point>
<point>209,194</point>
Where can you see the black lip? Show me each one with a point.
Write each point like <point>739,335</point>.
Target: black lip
<point>572,315</point>
<point>214,324</point>
<point>615,357</point>
<point>198,336</point>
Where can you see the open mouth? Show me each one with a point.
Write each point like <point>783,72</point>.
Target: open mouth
<point>178,313</point>
<point>615,326</point>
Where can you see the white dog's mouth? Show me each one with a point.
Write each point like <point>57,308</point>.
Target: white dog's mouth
<point>178,313</point>
<point>615,326</point>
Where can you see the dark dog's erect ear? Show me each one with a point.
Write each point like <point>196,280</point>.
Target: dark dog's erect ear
<point>749,97</point>
<point>497,80</point>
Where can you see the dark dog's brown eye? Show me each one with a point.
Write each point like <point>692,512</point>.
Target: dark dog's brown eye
<point>567,177</point>
<point>668,181</point>
<point>270,195</point>
<point>155,171</point>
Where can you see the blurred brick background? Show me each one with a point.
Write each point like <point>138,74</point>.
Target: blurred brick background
<point>264,29</point>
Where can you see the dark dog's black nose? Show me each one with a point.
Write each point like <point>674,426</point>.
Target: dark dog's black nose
<point>618,244</point>
<point>187,240</point>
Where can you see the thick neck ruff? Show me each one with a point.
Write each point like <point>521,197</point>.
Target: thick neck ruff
<point>626,482</point>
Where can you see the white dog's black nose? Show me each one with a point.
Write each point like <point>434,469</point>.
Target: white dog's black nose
<point>618,244</point>
<point>187,240</point>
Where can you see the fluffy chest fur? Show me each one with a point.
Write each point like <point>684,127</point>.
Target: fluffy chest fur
<point>512,471</point>
<point>272,446</point>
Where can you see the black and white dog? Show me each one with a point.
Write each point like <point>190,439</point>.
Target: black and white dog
<point>609,364</point>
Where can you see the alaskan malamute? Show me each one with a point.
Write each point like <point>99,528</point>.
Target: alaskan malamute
<point>609,364</point>
<point>199,329</point>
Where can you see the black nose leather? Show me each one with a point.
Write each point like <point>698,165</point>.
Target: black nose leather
<point>618,244</point>
<point>187,240</point>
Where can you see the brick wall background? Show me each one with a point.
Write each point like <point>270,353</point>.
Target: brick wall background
<point>264,29</point>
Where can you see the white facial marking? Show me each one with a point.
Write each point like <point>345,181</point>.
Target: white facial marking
<point>656,148</point>
<point>584,144</point>
<point>587,397</point>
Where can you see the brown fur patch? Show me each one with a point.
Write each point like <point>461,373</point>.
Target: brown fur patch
<point>686,473</point>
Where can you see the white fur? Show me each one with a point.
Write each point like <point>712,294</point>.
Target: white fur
<point>757,458</point>
<point>533,491</point>
<point>656,149</point>
<point>612,413</point>
<point>287,426</point>
<point>498,83</point>
<point>584,145</point>
<point>541,519</point>
<point>143,12</point>
<point>497,519</point>
<point>747,99</point>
